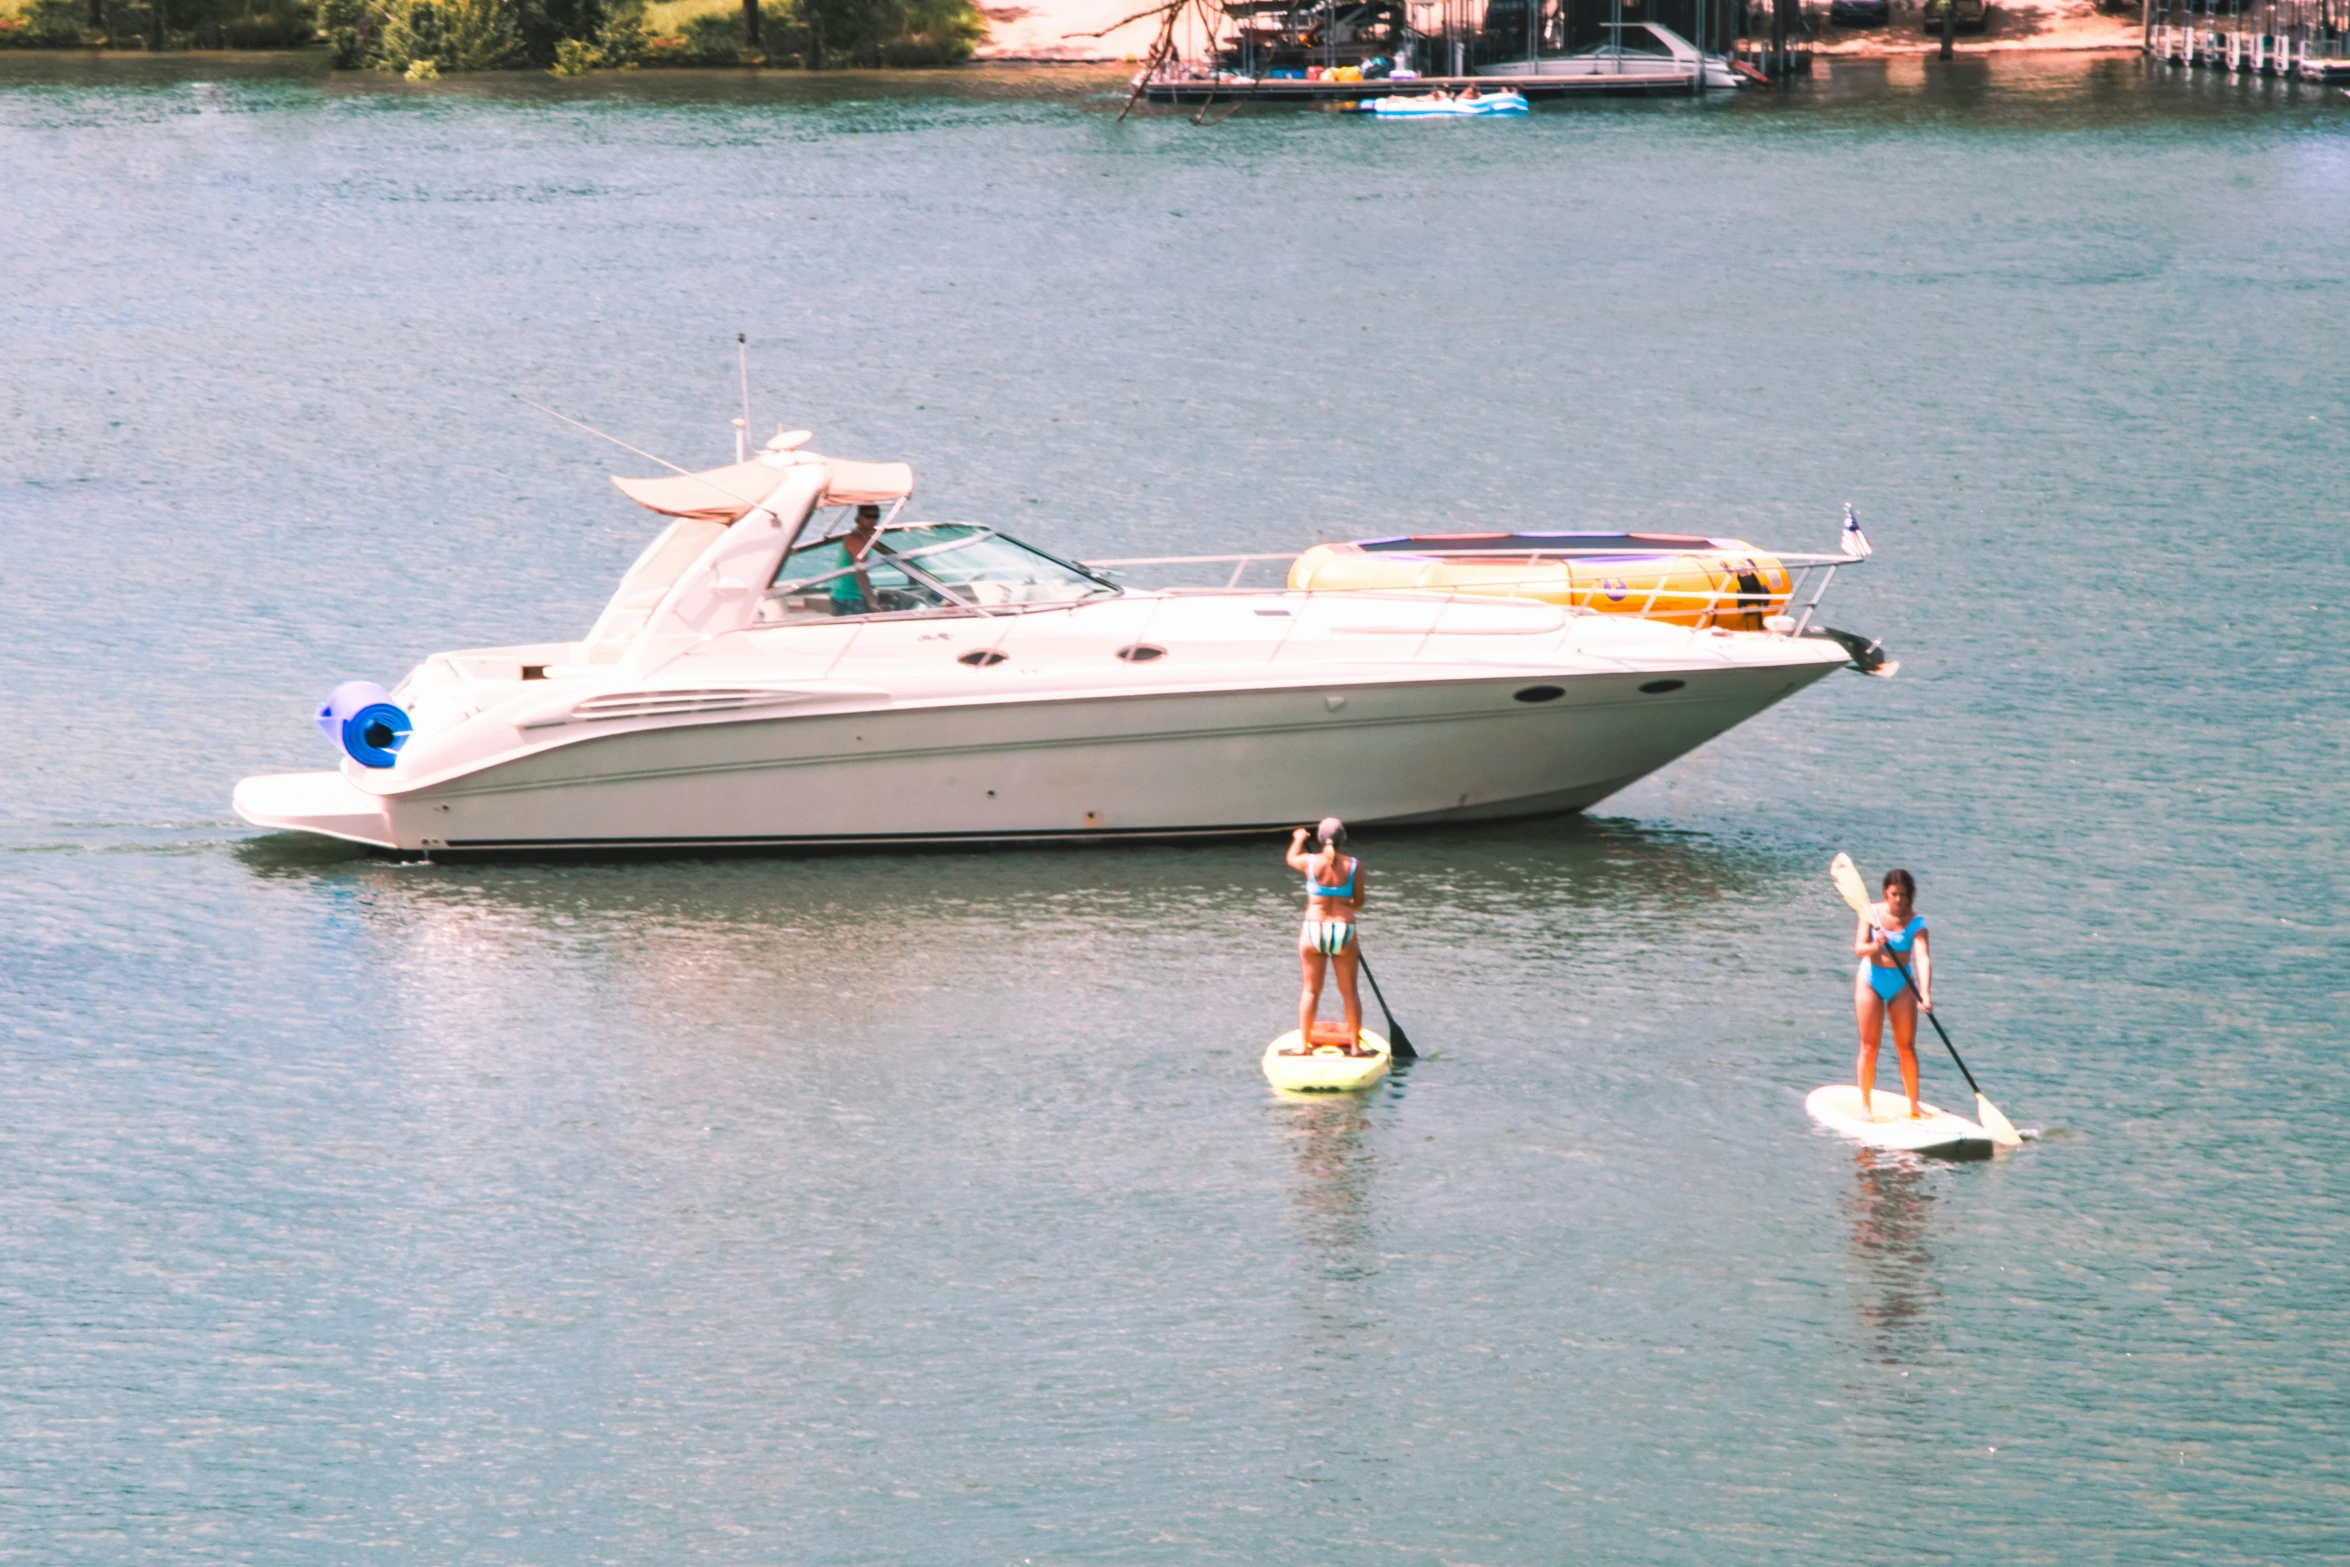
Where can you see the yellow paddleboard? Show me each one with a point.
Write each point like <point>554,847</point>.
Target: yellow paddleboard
<point>1329,1070</point>
<point>1838,1106</point>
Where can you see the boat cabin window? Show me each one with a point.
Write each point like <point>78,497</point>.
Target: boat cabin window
<point>922,567</point>
<point>818,581</point>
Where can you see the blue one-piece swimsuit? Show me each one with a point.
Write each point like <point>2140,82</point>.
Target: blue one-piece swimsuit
<point>1887,982</point>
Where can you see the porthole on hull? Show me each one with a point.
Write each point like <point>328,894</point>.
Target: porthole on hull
<point>1142,653</point>
<point>1660,687</point>
<point>982,657</point>
<point>1541,694</point>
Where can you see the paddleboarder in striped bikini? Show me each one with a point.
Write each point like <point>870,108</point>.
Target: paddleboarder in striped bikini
<point>1878,990</point>
<point>1334,895</point>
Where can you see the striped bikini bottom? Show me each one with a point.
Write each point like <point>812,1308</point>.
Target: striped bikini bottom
<point>1329,937</point>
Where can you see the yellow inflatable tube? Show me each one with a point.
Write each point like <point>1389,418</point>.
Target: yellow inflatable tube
<point>1678,579</point>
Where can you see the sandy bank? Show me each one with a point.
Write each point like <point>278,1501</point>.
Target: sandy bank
<point>1055,29</point>
<point>2011,24</point>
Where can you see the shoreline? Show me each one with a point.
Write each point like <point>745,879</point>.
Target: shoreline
<point>1100,34</point>
<point>977,68</point>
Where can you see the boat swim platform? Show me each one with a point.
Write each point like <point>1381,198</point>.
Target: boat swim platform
<point>1633,84</point>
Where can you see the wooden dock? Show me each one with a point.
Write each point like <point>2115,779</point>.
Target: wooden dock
<point>1205,90</point>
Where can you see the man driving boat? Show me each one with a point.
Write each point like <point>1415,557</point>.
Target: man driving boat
<point>852,592</point>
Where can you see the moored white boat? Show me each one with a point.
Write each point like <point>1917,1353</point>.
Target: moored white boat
<point>747,687</point>
<point>1635,49</point>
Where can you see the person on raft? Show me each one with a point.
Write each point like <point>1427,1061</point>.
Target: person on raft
<point>1334,895</point>
<point>1894,927</point>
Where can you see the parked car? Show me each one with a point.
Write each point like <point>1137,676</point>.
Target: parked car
<point>1860,13</point>
<point>1972,14</point>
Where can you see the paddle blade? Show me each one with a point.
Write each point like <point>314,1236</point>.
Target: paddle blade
<point>2002,1130</point>
<point>1846,875</point>
<point>1399,1047</point>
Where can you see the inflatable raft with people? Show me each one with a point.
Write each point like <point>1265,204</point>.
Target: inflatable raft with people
<point>1441,105</point>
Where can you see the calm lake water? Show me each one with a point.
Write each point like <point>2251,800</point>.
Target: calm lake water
<point>932,1209</point>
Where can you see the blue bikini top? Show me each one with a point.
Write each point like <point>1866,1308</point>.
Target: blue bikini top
<point>1906,937</point>
<point>1345,889</point>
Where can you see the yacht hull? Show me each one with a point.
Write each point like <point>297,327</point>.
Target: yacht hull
<point>1166,764</point>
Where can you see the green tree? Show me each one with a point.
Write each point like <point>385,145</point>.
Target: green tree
<point>622,35</point>
<point>889,32</point>
<point>544,24</point>
<point>936,32</point>
<point>157,24</point>
<point>454,35</point>
<point>349,26</point>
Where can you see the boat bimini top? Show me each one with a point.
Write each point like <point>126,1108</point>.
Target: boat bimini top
<point>728,494</point>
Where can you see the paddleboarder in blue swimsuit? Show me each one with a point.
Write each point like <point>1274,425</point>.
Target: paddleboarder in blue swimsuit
<point>1879,991</point>
<point>1334,895</point>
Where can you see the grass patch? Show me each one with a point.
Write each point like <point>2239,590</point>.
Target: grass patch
<point>672,16</point>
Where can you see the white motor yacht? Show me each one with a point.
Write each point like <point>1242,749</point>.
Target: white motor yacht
<point>765,677</point>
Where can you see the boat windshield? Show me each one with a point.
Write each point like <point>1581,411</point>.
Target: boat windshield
<point>1636,39</point>
<point>922,567</point>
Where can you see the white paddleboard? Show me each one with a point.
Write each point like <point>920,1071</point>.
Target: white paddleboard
<point>1838,1106</point>
<point>1329,1070</point>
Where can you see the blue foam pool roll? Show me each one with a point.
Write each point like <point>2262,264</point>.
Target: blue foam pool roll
<point>361,717</point>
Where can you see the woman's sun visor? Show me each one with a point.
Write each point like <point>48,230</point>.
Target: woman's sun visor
<point>724,494</point>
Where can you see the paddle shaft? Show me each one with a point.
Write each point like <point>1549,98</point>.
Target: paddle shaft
<point>1398,1045</point>
<point>1912,983</point>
